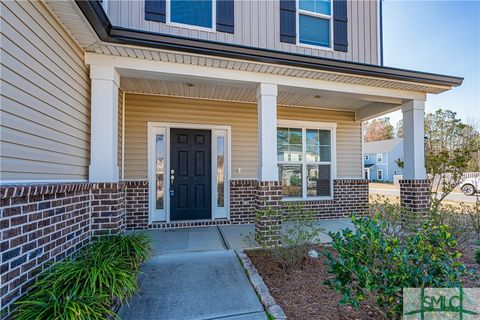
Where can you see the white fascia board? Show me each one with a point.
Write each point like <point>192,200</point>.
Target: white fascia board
<point>124,64</point>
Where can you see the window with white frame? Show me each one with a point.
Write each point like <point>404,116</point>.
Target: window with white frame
<point>367,157</point>
<point>379,157</point>
<point>379,174</point>
<point>315,22</point>
<point>305,161</point>
<point>198,13</point>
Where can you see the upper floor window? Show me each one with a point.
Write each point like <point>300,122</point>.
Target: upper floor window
<point>198,13</point>
<point>315,22</point>
<point>379,158</point>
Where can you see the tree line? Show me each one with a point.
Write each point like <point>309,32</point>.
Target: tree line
<point>449,142</point>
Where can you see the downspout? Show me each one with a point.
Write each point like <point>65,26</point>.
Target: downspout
<point>380,9</point>
<point>123,135</point>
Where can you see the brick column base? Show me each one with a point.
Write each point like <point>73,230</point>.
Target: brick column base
<point>415,196</point>
<point>268,220</point>
<point>108,209</point>
<point>136,205</point>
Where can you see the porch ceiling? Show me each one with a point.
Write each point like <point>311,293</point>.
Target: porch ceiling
<point>239,92</point>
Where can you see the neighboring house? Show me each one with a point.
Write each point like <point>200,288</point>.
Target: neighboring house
<point>380,159</point>
<point>156,114</point>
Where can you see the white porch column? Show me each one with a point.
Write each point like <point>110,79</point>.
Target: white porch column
<point>413,140</point>
<point>104,124</point>
<point>267,132</point>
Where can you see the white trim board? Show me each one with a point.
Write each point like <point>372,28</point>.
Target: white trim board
<point>149,67</point>
<point>155,128</point>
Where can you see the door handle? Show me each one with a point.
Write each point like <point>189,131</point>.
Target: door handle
<point>172,178</point>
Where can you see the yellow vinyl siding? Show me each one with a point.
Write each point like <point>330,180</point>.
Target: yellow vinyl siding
<point>45,97</point>
<point>141,109</point>
<point>242,117</point>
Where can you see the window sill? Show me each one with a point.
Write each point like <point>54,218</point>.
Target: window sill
<point>307,199</point>
<point>311,46</point>
<point>190,26</point>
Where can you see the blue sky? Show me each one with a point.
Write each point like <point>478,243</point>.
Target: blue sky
<point>439,37</point>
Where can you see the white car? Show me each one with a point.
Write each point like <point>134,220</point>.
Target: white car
<point>470,186</point>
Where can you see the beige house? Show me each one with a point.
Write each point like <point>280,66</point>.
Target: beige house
<point>130,115</point>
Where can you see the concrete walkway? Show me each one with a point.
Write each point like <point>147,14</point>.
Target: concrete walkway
<point>194,276</point>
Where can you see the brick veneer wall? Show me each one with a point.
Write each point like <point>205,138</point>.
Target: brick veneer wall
<point>242,200</point>
<point>39,224</point>
<point>268,224</point>
<point>415,195</point>
<point>349,196</point>
<point>107,208</point>
<point>136,203</point>
<point>44,223</point>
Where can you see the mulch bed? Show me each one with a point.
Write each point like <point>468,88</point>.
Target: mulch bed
<point>302,294</point>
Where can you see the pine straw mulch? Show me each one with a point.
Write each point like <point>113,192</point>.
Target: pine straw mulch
<point>302,294</point>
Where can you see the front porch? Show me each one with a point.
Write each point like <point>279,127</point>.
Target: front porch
<point>197,147</point>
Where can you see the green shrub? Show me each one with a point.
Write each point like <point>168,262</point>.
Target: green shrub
<point>47,304</point>
<point>88,285</point>
<point>299,233</point>
<point>370,261</point>
<point>136,247</point>
<point>93,272</point>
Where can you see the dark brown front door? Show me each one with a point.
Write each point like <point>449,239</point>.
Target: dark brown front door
<point>191,174</point>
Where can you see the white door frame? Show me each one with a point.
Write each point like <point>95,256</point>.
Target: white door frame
<point>367,170</point>
<point>155,128</point>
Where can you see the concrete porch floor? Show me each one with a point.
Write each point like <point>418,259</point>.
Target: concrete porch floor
<point>225,237</point>
<point>195,274</point>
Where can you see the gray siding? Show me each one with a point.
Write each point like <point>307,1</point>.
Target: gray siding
<point>257,24</point>
<point>45,97</point>
<point>393,169</point>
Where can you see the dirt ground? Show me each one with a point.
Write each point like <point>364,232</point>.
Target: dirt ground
<point>302,294</point>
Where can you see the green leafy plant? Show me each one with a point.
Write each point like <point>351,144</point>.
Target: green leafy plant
<point>299,233</point>
<point>372,262</point>
<point>48,305</point>
<point>135,247</point>
<point>94,272</point>
<point>87,286</point>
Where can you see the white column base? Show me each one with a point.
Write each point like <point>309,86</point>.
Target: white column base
<point>103,173</point>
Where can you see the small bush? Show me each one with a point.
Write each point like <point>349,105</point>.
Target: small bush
<point>87,286</point>
<point>93,272</point>
<point>135,247</point>
<point>370,261</point>
<point>48,304</point>
<point>299,233</point>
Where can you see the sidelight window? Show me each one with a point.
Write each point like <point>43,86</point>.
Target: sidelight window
<point>160,170</point>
